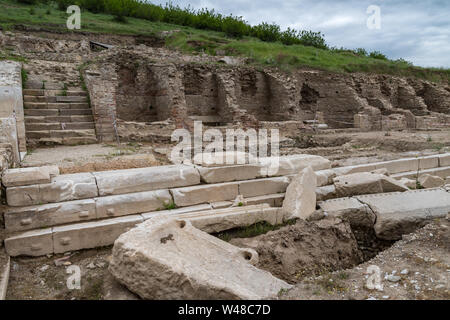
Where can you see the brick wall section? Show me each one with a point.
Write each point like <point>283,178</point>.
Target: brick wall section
<point>102,94</point>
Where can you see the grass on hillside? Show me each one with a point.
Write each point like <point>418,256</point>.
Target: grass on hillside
<point>193,40</point>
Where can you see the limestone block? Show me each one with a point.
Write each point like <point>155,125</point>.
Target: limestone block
<point>145,179</point>
<point>274,200</point>
<point>444,160</point>
<point>30,243</point>
<point>62,188</point>
<point>155,260</point>
<point>132,203</point>
<point>440,172</point>
<point>300,198</point>
<point>178,211</point>
<point>47,215</point>
<point>349,209</point>
<point>429,162</point>
<point>400,165</point>
<point>213,221</point>
<point>29,176</point>
<point>92,234</point>
<point>326,192</point>
<point>402,213</point>
<point>8,134</point>
<point>260,187</point>
<point>292,164</point>
<point>366,183</point>
<point>221,159</point>
<point>355,169</point>
<point>429,181</point>
<point>229,173</point>
<point>189,196</point>
<point>325,177</point>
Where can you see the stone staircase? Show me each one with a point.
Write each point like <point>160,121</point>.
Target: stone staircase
<point>57,116</point>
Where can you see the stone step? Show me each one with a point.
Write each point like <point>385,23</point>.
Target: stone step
<point>41,112</point>
<point>59,133</point>
<point>70,93</point>
<point>59,126</point>
<point>33,92</point>
<point>60,119</point>
<point>59,106</point>
<point>71,99</point>
<point>69,141</point>
<point>34,98</point>
<point>75,112</point>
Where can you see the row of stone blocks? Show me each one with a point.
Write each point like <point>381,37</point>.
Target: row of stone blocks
<point>104,232</point>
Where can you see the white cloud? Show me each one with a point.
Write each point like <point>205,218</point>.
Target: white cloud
<point>418,31</point>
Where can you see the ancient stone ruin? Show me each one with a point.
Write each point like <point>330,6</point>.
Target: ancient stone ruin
<point>166,224</point>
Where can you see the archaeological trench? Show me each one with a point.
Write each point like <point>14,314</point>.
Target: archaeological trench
<point>184,230</point>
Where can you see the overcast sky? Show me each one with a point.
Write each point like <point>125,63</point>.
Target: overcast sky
<point>418,31</point>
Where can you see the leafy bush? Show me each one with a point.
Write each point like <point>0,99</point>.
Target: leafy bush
<point>234,26</point>
<point>313,39</point>
<point>290,37</point>
<point>266,32</point>
<point>361,52</point>
<point>377,55</point>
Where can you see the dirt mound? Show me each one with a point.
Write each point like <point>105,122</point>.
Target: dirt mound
<point>305,248</point>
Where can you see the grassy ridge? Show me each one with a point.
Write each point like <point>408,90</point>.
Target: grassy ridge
<point>194,41</point>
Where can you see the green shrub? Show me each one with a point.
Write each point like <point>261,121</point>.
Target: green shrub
<point>361,52</point>
<point>377,55</point>
<point>235,26</point>
<point>313,39</point>
<point>290,37</point>
<point>266,32</point>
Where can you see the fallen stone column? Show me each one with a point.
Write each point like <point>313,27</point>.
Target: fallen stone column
<point>156,260</point>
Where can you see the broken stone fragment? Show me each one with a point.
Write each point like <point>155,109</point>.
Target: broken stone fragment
<point>429,181</point>
<point>29,176</point>
<point>300,197</point>
<point>156,260</point>
<point>366,183</point>
<point>411,184</point>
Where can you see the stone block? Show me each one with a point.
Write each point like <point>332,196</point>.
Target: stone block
<point>300,198</point>
<point>62,188</point>
<point>428,181</point>
<point>351,210</point>
<point>260,187</point>
<point>229,173</point>
<point>403,213</point>
<point>444,160</point>
<point>428,162</point>
<point>29,176</point>
<point>145,179</point>
<point>274,200</point>
<point>156,261</point>
<point>132,203</point>
<point>400,165</point>
<point>189,196</point>
<point>326,192</point>
<point>92,234</point>
<point>30,243</point>
<point>47,215</point>
<point>175,212</point>
<point>292,164</point>
<point>325,177</point>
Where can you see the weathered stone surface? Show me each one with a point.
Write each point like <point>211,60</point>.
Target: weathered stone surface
<point>260,187</point>
<point>132,203</point>
<point>178,211</point>
<point>325,177</point>
<point>300,197</point>
<point>212,221</point>
<point>326,192</point>
<point>229,173</point>
<point>402,213</point>
<point>189,196</point>
<point>220,159</point>
<point>274,200</point>
<point>429,181</point>
<point>4,273</point>
<point>440,172</point>
<point>145,179</point>
<point>155,260</point>
<point>355,169</point>
<point>428,162</point>
<point>30,243</point>
<point>351,210</point>
<point>444,160</point>
<point>47,215</point>
<point>29,176</point>
<point>366,183</point>
<point>400,165</point>
<point>447,180</point>
<point>292,164</point>
<point>409,183</point>
<point>92,234</point>
<point>62,188</point>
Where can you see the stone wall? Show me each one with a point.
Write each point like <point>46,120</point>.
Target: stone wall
<point>12,124</point>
